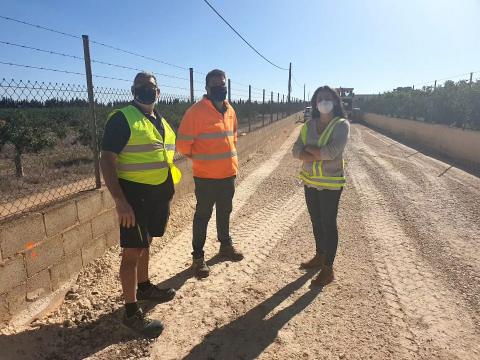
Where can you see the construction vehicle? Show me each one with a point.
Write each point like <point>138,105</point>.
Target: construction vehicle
<point>346,94</point>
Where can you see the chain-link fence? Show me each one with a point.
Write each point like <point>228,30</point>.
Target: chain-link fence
<point>46,130</point>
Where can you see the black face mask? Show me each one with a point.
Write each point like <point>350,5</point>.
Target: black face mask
<point>146,95</point>
<point>218,93</point>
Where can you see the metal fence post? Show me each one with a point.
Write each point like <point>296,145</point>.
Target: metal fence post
<point>229,91</point>
<point>278,103</point>
<point>250,105</point>
<point>263,109</point>
<point>91,102</point>
<point>192,96</point>
<point>271,107</point>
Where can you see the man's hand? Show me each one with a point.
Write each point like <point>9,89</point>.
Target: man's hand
<point>126,216</point>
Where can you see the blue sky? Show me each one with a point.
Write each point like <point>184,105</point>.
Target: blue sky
<point>371,45</point>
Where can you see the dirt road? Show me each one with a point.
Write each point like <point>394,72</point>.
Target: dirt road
<point>408,272</point>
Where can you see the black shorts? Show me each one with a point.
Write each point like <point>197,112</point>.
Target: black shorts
<point>151,205</point>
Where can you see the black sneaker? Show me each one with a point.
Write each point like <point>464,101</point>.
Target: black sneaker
<point>154,293</point>
<point>143,325</point>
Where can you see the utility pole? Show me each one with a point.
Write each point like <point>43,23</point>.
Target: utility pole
<point>303,92</point>
<point>471,78</point>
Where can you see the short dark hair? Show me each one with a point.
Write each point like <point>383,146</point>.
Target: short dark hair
<point>143,75</point>
<point>337,108</point>
<point>214,73</point>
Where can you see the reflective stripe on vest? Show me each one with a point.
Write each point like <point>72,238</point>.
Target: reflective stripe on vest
<point>147,157</point>
<point>213,135</point>
<point>143,166</point>
<point>316,177</point>
<point>225,155</point>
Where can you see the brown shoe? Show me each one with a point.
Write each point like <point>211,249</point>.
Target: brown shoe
<point>230,253</point>
<point>316,262</point>
<point>325,277</point>
<point>200,268</point>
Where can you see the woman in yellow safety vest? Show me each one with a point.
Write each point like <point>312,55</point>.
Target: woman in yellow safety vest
<point>320,146</point>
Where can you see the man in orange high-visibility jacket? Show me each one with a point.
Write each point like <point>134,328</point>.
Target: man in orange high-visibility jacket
<point>208,136</point>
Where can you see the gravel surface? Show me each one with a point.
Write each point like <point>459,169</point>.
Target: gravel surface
<point>407,271</point>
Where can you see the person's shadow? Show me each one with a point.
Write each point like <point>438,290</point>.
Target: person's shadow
<point>55,341</point>
<point>178,280</point>
<point>248,336</point>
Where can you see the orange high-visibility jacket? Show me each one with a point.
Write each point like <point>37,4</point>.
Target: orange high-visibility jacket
<point>209,138</point>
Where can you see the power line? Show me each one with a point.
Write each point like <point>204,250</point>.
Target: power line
<point>92,41</point>
<point>81,58</point>
<point>138,55</point>
<point>241,37</point>
<point>78,73</point>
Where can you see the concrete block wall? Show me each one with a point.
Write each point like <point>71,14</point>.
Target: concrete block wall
<point>461,145</point>
<point>43,250</point>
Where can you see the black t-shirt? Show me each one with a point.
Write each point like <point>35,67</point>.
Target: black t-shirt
<point>117,132</point>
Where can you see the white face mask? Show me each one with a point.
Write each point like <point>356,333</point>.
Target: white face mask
<point>325,106</point>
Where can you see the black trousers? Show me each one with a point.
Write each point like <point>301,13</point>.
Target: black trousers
<point>209,192</point>
<point>323,209</point>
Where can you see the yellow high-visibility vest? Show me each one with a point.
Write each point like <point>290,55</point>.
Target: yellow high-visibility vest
<point>147,157</point>
<point>314,175</point>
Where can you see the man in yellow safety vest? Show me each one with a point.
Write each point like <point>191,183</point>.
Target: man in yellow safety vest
<point>137,164</point>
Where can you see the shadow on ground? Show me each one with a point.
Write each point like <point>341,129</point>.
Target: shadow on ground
<point>249,335</point>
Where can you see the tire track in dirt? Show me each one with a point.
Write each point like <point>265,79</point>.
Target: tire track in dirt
<point>441,212</point>
<point>425,312</point>
<point>259,234</point>
<point>177,252</point>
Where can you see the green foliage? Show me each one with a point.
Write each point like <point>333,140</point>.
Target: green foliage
<point>29,132</point>
<point>453,104</point>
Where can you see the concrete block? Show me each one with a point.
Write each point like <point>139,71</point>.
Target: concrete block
<point>38,285</point>
<point>4,313</point>
<point>93,250</point>
<point>75,238</point>
<point>58,274</point>
<point>44,255</point>
<point>89,206</point>
<point>60,217</point>
<point>104,222</point>
<point>17,235</point>
<point>17,299</point>
<point>74,263</point>
<point>12,273</point>
<point>113,238</point>
<point>63,271</point>
<point>108,202</point>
